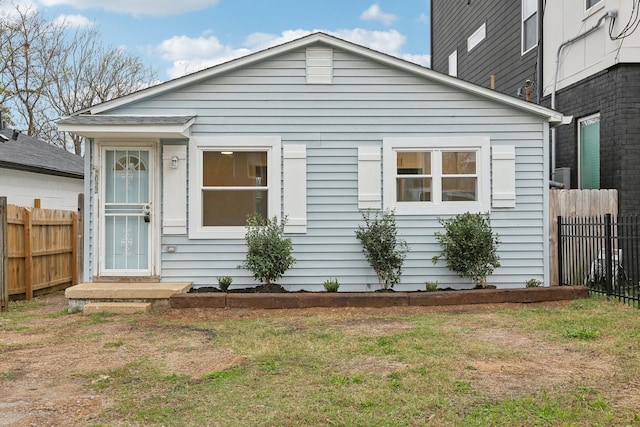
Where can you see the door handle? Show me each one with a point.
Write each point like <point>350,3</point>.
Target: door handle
<point>147,213</point>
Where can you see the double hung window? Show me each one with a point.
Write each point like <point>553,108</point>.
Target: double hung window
<point>436,175</point>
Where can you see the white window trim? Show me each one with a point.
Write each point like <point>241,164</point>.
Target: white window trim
<point>272,144</point>
<point>436,207</point>
<point>522,21</point>
<point>477,37</point>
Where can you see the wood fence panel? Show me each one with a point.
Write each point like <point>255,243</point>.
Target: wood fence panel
<point>575,203</point>
<point>4,282</point>
<point>42,251</point>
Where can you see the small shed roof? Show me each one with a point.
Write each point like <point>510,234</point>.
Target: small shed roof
<point>34,155</point>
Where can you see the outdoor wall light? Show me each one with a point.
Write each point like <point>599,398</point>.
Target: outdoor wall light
<point>174,162</point>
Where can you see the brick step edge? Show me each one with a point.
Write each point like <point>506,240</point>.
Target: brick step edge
<point>375,299</point>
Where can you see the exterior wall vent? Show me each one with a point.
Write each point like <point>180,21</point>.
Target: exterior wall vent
<point>319,65</point>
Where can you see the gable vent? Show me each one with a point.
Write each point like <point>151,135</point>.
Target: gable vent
<point>319,65</point>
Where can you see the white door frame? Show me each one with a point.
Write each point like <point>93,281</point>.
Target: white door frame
<point>99,215</point>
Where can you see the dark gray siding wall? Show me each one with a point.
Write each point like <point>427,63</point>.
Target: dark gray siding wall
<point>452,22</point>
<point>615,94</point>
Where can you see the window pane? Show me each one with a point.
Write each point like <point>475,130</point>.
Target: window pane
<point>239,168</point>
<point>530,32</point>
<point>413,189</point>
<point>459,189</point>
<point>414,163</point>
<point>460,162</point>
<point>529,7</point>
<point>590,153</point>
<point>591,3</point>
<point>231,207</point>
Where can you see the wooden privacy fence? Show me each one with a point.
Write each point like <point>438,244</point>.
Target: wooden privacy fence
<point>41,249</point>
<point>573,204</point>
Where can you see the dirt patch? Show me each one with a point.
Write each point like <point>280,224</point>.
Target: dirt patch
<point>48,363</point>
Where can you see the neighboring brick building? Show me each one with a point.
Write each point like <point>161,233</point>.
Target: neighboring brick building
<point>594,45</point>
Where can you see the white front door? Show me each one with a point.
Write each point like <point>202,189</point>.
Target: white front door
<point>126,217</point>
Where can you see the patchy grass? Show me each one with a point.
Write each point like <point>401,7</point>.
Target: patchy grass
<point>531,365</point>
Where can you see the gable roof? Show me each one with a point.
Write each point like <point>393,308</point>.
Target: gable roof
<point>34,155</point>
<point>554,117</point>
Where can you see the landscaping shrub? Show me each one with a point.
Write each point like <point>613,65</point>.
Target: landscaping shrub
<point>331,285</point>
<point>268,252</point>
<point>224,282</point>
<point>469,246</point>
<point>382,248</point>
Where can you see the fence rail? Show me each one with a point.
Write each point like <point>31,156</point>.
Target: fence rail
<point>602,252</point>
<point>41,250</point>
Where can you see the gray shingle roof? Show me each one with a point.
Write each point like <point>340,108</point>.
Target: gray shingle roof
<point>33,155</point>
<point>125,120</point>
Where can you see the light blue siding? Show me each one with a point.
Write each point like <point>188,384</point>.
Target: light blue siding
<point>366,103</point>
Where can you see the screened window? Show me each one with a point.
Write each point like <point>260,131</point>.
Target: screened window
<point>589,152</point>
<point>529,25</point>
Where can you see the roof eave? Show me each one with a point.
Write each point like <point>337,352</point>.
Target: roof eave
<point>147,130</point>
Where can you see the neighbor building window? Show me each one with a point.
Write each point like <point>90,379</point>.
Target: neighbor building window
<point>590,3</point>
<point>427,175</point>
<point>234,178</point>
<point>477,37</point>
<point>589,152</point>
<point>529,25</point>
<point>453,64</point>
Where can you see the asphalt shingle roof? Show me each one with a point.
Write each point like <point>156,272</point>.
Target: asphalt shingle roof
<point>85,119</point>
<point>34,155</point>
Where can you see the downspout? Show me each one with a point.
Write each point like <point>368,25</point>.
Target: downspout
<point>540,51</point>
<point>612,14</point>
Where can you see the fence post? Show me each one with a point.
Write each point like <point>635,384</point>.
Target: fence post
<point>560,260</point>
<point>607,253</point>
<point>28,256</point>
<point>4,256</point>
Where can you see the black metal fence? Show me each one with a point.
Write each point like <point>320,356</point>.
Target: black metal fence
<point>602,253</point>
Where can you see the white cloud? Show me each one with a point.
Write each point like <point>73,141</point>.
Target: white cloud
<point>423,18</point>
<point>189,55</point>
<point>374,13</point>
<point>137,7</point>
<point>73,21</point>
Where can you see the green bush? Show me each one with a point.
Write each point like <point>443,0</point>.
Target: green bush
<point>331,285</point>
<point>533,283</point>
<point>224,282</point>
<point>382,248</point>
<point>431,286</point>
<point>469,247</point>
<point>268,252</point>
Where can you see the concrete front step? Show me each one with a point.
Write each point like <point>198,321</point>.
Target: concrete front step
<point>155,293</point>
<point>117,307</point>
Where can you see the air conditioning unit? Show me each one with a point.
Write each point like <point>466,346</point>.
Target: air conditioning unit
<point>563,175</point>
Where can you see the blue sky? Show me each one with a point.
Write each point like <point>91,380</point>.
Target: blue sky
<point>182,36</point>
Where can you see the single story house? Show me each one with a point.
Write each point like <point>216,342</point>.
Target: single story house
<point>317,130</point>
<point>32,169</point>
